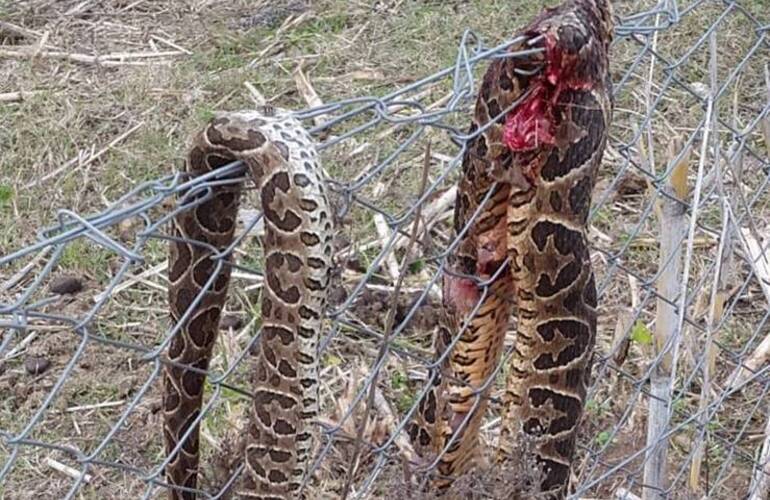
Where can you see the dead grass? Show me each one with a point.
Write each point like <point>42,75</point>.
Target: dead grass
<point>113,126</point>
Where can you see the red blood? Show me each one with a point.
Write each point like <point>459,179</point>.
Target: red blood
<point>554,70</point>
<point>461,293</point>
<point>532,124</point>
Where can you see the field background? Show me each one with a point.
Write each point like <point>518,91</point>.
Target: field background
<point>77,132</point>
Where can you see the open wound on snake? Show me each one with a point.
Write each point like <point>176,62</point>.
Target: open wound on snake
<point>533,125</point>
<point>464,293</point>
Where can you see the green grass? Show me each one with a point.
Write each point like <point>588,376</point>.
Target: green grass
<point>85,256</point>
<point>6,195</point>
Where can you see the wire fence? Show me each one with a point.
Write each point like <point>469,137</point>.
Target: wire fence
<point>678,236</point>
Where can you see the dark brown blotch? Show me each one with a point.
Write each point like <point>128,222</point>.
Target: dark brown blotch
<point>192,383</point>
<point>276,476</point>
<point>293,262</point>
<point>217,215</point>
<point>180,260</point>
<point>203,327</point>
<point>589,292</point>
<point>284,428</point>
<point>580,197</point>
<point>237,140</point>
<point>307,313</point>
<point>567,275</point>
<point>281,181</point>
<point>202,271</point>
<point>280,456</point>
<point>308,205</point>
<point>494,110</point>
<point>171,397</point>
<point>309,239</point>
<point>586,115</point>
<point>313,284</point>
<point>264,398</point>
<point>177,346</point>
<point>290,221</point>
<point>196,160</point>
<point>570,353</point>
<point>305,333</point>
<point>505,82</point>
<point>301,180</point>
<point>285,368</point>
<point>269,354</point>
<point>316,263</point>
<point>424,437</point>
<point>481,146</point>
<point>283,149</point>
<point>215,161</point>
<point>285,335</point>
<point>556,474</point>
<point>555,201</point>
<point>264,416</point>
<point>290,295</point>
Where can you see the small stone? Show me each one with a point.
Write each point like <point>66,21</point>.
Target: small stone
<point>66,285</point>
<point>126,229</point>
<point>126,388</point>
<point>35,365</point>
<point>272,16</point>
<point>231,321</point>
<point>337,295</point>
<point>700,88</point>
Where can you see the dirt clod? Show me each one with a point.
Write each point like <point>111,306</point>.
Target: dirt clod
<point>272,16</point>
<point>36,365</point>
<point>66,285</point>
<point>371,305</point>
<point>231,321</point>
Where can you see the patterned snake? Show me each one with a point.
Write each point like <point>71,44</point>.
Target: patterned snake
<point>537,165</point>
<point>281,159</point>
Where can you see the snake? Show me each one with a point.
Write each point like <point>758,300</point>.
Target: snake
<point>281,159</point>
<point>539,130</point>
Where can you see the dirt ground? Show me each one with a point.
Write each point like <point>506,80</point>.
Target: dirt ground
<point>97,96</point>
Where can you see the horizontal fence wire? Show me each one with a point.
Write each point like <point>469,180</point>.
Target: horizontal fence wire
<point>691,91</point>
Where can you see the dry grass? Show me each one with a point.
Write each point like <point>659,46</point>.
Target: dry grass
<point>103,126</point>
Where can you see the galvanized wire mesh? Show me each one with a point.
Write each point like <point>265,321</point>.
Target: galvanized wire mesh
<point>691,96</point>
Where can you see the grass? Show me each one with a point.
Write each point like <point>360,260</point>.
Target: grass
<point>347,49</point>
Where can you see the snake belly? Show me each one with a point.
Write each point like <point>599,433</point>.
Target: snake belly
<point>281,159</point>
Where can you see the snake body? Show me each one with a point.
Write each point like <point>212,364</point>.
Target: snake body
<point>527,246</point>
<point>280,157</point>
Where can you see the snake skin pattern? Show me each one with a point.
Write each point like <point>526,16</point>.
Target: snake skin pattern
<point>529,246</point>
<point>281,159</point>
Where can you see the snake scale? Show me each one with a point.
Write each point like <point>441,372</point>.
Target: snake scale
<point>282,161</point>
<point>536,165</point>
